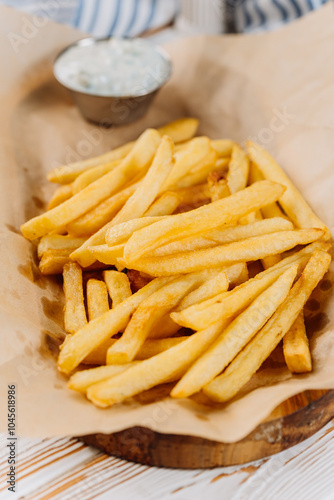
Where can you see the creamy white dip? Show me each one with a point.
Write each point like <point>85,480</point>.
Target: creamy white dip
<point>115,67</point>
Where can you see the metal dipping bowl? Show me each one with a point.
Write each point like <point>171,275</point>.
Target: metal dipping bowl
<point>108,110</point>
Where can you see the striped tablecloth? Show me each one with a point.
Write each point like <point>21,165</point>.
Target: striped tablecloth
<point>66,469</point>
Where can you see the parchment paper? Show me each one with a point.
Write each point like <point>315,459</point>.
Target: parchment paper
<point>275,88</point>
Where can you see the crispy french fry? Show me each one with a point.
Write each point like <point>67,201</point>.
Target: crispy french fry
<point>199,174</point>
<point>185,245</point>
<point>217,284</point>
<point>271,210</point>
<point>137,204</point>
<point>74,313</point>
<point>164,328</point>
<point>171,363</point>
<point>122,232</point>
<point>179,131</point>
<point>251,218</point>
<point>53,261</point>
<point>249,360</point>
<point>85,340</point>
<point>194,194</point>
<point>150,186</point>
<point>68,173</point>
<point>250,249</point>
<point>61,194</point>
<point>91,175</point>
<point>235,336</point>
<point>97,298</point>
<point>150,348</point>
<point>106,254</point>
<point>148,314</point>
<point>292,201</point>
<point>202,315</point>
<point>80,381</point>
<point>58,242</point>
<point>257,228</point>
<point>118,285</point>
<point>296,347</point>
<point>164,205</point>
<point>218,187</point>
<point>137,160</point>
<point>237,175</point>
<point>195,154</point>
<point>99,216</point>
<point>270,261</point>
<point>225,211</point>
<point>223,146</point>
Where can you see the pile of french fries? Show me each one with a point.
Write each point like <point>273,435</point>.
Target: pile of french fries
<point>183,217</point>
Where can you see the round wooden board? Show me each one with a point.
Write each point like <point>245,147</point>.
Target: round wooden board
<point>290,423</point>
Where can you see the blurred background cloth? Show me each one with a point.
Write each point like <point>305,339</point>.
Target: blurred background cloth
<point>131,18</point>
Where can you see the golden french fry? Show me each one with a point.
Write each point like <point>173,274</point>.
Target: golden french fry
<point>225,305</point>
<point>217,284</point>
<point>150,348</point>
<point>80,381</point>
<point>58,242</point>
<point>223,146</point>
<point>270,261</point>
<point>235,336</point>
<point>68,173</point>
<point>249,360</point>
<point>118,285</point>
<point>218,187</point>
<point>137,204</point>
<point>148,314</point>
<point>164,205</point>
<point>85,340</point>
<point>53,261</point>
<point>199,174</point>
<point>74,313</point>
<point>296,347</point>
<point>164,328</point>
<point>97,298</point>
<point>171,363</point>
<point>251,218</point>
<point>91,175</point>
<point>271,210</point>
<point>185,245</point>
<point>225,211</point>
<point>194,194</point>
<point>237,175</point>
<point>180,130</point>
<point>106,254</point>
<point>150,186</point>
<point>122,232</point>
<point>99,216</point>
<point>137,160</point>
<point>193,155</point>
<point>292,201</point>
<point>241,232</point>
<point>247,250</point>
<point>60,195</point>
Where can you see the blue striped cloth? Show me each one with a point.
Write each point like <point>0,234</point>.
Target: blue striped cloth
<point>253,16</point>
<point>103,18</point>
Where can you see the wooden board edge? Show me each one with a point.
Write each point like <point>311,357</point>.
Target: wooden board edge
<point>147,447</point>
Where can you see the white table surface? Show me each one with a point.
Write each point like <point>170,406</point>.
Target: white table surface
<point>66,469</point>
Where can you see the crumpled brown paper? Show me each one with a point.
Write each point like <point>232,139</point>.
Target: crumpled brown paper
<point>276,88</point>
